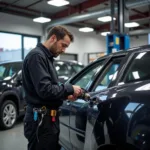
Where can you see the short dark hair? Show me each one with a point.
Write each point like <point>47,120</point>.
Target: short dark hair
<point>60,33</point>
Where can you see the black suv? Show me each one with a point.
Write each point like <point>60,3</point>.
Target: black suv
<point>117,116</point>
<point>11,91</point>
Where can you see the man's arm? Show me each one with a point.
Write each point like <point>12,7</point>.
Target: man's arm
<point>42,81</point>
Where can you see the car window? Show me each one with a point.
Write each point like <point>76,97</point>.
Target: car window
<point>138,69</point>
<point>77,68</point>
<point>108,75</point>
<point>88,76</point>
<point>2,70</point>
<point>8,70</point>
<point>14,68</point>
<point>61,68</point>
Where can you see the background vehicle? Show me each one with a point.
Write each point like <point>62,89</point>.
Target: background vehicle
<point>117,116</point>
<point>67,69</point>
<point>11,91</point>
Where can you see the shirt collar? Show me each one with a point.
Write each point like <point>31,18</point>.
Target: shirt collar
<point>46,51</point>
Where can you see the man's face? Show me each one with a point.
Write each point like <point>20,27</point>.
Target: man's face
<point>60,46</point>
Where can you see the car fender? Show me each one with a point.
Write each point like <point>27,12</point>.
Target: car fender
<point>138,133</point>
<point>10,93</point>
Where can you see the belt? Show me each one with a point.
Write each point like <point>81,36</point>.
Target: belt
<point>31,108</point>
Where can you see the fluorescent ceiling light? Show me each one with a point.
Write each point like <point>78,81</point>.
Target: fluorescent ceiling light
<point>86,29</point>
<point>131,24</point>
<point>105,19</point>
<point>105,33</point>
<point>41,19</point>
<point>58,3</point>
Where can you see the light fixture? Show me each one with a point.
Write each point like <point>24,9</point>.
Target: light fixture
<point>86,29</point>
<point>131,24</point>
<point>105,19</point>
<point>58,3</point>
<point>42,19</point>
<point>105,33</point>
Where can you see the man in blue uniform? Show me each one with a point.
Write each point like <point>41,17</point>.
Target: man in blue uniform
<point>43,93</point>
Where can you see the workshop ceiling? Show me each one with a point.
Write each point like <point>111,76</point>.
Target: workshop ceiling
<point>36,8</point>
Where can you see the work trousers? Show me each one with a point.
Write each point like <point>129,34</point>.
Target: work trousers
<point>44,137</point>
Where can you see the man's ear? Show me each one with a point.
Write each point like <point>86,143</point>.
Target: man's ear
<point>53,38</point>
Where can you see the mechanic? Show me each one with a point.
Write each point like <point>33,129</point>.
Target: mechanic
<point>43,93</point>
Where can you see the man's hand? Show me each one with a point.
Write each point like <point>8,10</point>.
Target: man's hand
<point>71,98</point>
<point>77,91</point>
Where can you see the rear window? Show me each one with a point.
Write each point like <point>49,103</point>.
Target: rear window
<point>139,68</point>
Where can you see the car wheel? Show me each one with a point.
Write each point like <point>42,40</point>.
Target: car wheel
<point>8,114</point>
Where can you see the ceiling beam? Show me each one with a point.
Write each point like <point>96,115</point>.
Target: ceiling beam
<point>137,16</point>
<point>106,26</point>
<point>33,3</point>
<point>139,12</point>
<point>19,7</point>
<point>78,8</point>
<point>15,12</point>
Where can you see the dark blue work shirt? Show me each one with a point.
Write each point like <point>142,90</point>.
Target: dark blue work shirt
<point>40,80</point>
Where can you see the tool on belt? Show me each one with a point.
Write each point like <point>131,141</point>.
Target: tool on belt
<point>42,112</point>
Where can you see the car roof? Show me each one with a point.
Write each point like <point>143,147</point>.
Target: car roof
<point>70,61</point>
<point>124,52</point>
<point>11,61</point>
<point>57,60</point>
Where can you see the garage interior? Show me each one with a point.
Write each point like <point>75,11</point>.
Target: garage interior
<point>19,33</point>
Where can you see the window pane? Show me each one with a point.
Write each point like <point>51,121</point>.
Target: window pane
<point>61,69</point>
<point>77,68</point>
<point>29,44</point>
<point>10,46</point>
<point>2,70</point>
<point>9,69</point>
<point>87,78</point>
<point>14,68</point>
<point>108,76</point>
<point>138,69</point>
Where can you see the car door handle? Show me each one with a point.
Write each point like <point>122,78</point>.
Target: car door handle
<point>68,103</point>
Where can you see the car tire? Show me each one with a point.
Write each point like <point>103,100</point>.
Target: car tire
<point>8,114</point>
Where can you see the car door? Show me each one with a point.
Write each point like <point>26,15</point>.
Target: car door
<point>81,111</point>
<point>94,128</point>
<point>66,107</point>
<point>78,108</point>
<point>64,136</point>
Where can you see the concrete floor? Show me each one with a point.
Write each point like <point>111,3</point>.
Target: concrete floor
<point>14,139</point>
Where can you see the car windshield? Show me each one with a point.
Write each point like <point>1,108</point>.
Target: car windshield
<point>8,70</point>
<point>3,71</point>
